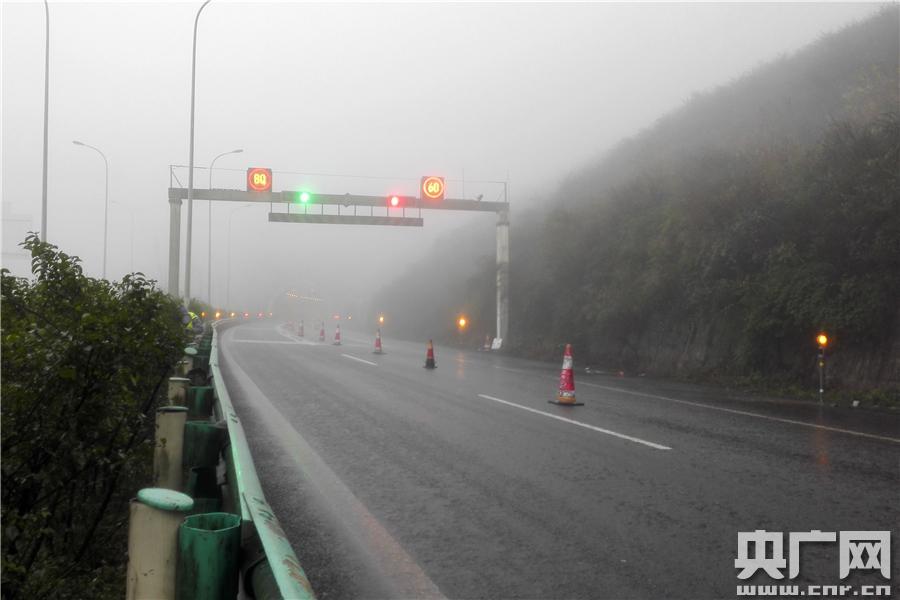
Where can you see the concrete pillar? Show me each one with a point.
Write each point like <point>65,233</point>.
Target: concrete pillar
<point>177,392</point>
<point>169,447</point>
<point>174,242</point>
<point>154,519</point>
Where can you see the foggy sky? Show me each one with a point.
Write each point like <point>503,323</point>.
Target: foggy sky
<point>528,92</point>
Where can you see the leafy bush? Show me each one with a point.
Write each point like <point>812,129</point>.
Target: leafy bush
<point>84,363</point>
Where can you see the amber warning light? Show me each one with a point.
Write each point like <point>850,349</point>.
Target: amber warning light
<point>259,179</point>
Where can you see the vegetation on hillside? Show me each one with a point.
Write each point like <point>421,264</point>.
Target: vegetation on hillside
<point>84,362</point>
<point>725,236</point>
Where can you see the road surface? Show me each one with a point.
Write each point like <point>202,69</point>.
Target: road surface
<point>393,481</point>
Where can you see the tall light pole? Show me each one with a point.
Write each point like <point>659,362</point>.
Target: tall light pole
<point>190,217</point>
<point>46,106</point>
<point>209,238</point>
<point>105,202</point>
<point>228,274</point>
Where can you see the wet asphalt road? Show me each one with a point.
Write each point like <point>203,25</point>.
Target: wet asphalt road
<point>393,481</point>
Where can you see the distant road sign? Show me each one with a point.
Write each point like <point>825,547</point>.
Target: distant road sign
<point>432,187</point>
<point>259,179</point>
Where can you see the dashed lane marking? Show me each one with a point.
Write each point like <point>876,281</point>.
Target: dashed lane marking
<point>579,423</point>
<point>746,413</point>
<point>734,411</point>
<point>360,360</point>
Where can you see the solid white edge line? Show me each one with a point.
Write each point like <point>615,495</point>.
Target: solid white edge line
<point>746,413</point>
<point>360,360</point>
<point>579,423</point>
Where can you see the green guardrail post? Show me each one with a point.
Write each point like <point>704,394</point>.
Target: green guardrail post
<point>154,520</point>
<point>199,402</point>
<point>202,442</point>
<point>203,487</point>
<point>208,551</point>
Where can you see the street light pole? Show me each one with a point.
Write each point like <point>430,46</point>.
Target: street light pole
<point>209,237</point>
<point>228,273</point>
<point>46,108</point>
<point>190,217</point>
<point>105,202</point>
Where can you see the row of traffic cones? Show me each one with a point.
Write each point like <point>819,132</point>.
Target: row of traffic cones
<point>337,336</point>
<point>565,395</point>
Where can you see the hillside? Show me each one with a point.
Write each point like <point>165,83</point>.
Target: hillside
<point>726,235</point>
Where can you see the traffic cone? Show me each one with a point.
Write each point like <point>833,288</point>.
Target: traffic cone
<point>487,344</point>
<point>322,332</point>
<point>378,349</point>
<point>337,335</point>
<point>566,394</point>
<point>300,329</point>
<point>429,357</point>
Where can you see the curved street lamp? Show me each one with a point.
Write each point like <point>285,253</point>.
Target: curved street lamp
<point>105,202</point>
<point>209,237</point>
<point>46,105</point>
<point>190,217</point>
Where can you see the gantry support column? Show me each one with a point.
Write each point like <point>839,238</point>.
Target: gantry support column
<point>174,241</point>
<point>503,274</point>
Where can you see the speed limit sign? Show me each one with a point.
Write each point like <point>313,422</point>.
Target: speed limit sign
<point>432,187</point>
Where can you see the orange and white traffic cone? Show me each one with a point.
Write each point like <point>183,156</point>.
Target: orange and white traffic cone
<point>566,394</point>
<point>337,335</point>
<point>429,357</point>
<point>322,332</point>
<point>300,329</point>
<point>378,348</point>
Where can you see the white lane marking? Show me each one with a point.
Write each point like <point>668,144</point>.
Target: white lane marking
<point>579,423</point>
<point>360,360</point>
<point>723,409</point>
<point>746,413</point>
<point>512,370</point>
<point>262,342</point>
<point>294,339</point>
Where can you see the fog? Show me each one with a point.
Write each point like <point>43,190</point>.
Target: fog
<point>340,98</point>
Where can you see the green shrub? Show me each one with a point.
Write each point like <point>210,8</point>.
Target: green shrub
<point>84,362</point>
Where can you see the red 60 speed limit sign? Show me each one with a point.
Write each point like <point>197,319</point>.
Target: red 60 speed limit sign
<point>432,187</point>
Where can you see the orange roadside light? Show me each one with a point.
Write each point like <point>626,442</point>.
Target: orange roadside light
<point>462,322</point>
<point>822,340</point>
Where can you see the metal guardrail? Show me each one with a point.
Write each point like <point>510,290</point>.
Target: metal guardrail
<point>282,576</point>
